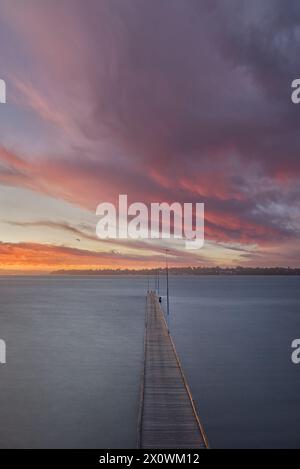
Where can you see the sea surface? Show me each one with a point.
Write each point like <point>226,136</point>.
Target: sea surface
<point>75,354</point>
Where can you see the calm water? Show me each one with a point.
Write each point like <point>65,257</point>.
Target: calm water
<point>234,336</point>
<point>75,350</point>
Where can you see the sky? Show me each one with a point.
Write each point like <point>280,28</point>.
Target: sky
<point>163,100</point>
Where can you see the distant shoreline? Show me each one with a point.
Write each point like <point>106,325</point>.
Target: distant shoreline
<point>187,271</point>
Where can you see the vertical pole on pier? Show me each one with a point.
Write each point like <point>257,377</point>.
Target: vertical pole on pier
<point>158,282</point>
<point>167,272</point>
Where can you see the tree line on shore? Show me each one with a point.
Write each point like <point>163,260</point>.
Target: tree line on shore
<point>188,271</point>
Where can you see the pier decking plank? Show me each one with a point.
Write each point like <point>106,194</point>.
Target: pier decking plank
<point>168,417</point>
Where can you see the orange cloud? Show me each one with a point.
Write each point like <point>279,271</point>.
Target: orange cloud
<point>29,257</point>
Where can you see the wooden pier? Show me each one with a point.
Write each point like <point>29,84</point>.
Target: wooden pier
<point>168,418</point>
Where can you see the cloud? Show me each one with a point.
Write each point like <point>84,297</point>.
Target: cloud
<point>177,101</point>
<point>46,257</point>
